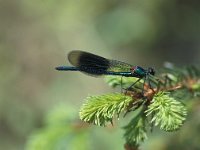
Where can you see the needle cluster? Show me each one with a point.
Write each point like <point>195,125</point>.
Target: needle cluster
<point>160,102</point>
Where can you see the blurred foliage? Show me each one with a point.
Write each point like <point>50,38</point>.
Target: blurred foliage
<point>60,132</point>
<point>136,130</point>
<point>36,35</point>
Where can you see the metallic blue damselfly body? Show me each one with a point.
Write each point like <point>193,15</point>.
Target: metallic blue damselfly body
<point>95,65</point>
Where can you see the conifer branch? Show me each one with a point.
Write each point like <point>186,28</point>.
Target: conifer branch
<point>160,102</point>
<point>135,131</point>
<point>166,112</point>
<point>101,109</point>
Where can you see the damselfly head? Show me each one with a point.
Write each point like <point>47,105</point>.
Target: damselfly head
<point>151,71</point>
<point>132,69</point>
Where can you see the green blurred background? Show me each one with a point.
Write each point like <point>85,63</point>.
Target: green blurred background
<point>35,36</point>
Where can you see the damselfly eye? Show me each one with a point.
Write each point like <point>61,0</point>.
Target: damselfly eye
<point>151,71</point>
<point>132,69</point>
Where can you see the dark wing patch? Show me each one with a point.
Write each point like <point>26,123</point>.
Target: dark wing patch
<point>96,65</point>
<point>89,63</point>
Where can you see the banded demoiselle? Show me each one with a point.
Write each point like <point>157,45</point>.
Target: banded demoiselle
<point>95,65</point>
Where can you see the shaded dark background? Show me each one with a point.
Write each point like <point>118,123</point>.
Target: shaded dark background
<point>35,36</point>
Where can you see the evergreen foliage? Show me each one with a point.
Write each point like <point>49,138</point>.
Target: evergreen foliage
<point>161,102</point>
<point>101,109</point>
<point>166,112</point>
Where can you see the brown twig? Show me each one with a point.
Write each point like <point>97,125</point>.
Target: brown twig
<point>130,147</point>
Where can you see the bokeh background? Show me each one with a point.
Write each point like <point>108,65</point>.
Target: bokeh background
<point>35,36</point>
